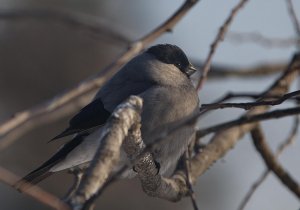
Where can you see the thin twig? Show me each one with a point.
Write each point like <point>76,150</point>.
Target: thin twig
<point>187,157</point>
<point>99,27</point>
<point>221,72</point>
<point>229,96</point>
<point>253,188</point>
<point>61,105</point>
<point>250,105</point>
<point>220,37</point>
<point>249,119</point>
<point>290,139</point>
<point>233,95</point>
<point>35,192</point>
<point>259,39</point>
<point>293,16</point>
<point>271,161</point>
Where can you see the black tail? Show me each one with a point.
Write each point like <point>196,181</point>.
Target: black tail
<point>33,178</point>
<point>43,171</point>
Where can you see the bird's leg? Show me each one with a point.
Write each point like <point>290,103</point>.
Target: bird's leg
<point>157,165</point>
<point>77,172</point>
<point>198,147</point>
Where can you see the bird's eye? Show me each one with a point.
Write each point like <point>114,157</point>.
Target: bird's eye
<point>178,64</point>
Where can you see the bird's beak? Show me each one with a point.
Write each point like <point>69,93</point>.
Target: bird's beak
<point>191,69</point>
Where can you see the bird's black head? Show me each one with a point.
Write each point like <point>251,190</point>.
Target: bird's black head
<point>171,54</point>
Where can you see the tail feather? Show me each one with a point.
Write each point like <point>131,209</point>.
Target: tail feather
<point>33,178</point>
<point>43,171</point>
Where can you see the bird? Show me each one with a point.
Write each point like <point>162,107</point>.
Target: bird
<point>161,77</point>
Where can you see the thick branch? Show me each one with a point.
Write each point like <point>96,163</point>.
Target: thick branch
<point>271,161</point>
<point>107,155</point>
<point>61,105</point>
<point>152,182</point>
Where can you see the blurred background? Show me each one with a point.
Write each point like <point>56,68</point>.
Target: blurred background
<point>41,58</point>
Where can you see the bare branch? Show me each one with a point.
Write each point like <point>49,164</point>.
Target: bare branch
<point>230,95</point>
<point>259,39</point>
<point>271,162</point>
<point>220,72</point>
<point>187,157</point>
<point>35,192</point>
<point>293,16</point>
<point>66,18</point>
<point>152,182</point>
<point>111,179</point>
<point>291,138</point>
<point>253,188</point>
<point>107,155</point>
<point>250,105</point>
<point>249,119</point>
<point>224,140</point>
<point>220,37</point>
<point>233,95</point>
<point>62,104</point>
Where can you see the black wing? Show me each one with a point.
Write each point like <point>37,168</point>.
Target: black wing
<point>92,115</point>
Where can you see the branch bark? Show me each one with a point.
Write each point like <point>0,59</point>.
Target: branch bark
<point>152,182</point>
<point>123,128</point>
<point>107,155</point>
<point>271,161</point>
